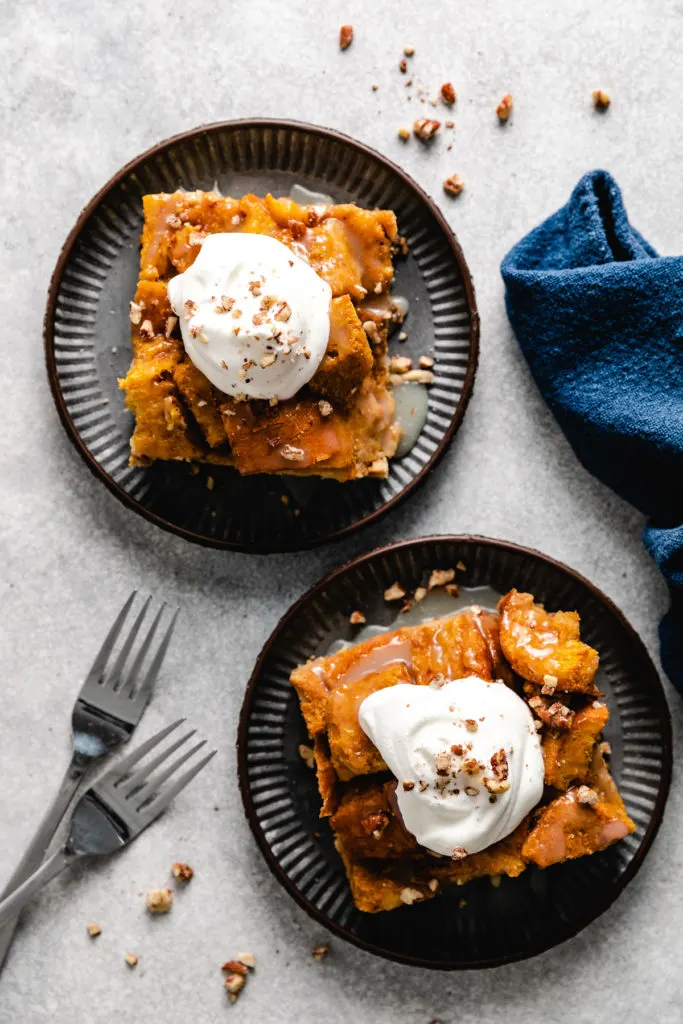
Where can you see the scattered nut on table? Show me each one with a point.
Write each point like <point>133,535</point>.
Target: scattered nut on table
<point>183,872</point>
<point>159,901</point>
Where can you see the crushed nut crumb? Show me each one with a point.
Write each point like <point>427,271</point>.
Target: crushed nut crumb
<point>400,364</point>
<point>448,93</point>
<point>408,785</point>
<point>183,872</point>
<point>452,589</point>
<point>370,328</point>
<point>404,134</point>
<point>394,593</point>
<point>210,483</point>
<point>459,853</point>
<point>248,959</point>
<point>291,453</point>
<point>159,901</point>
<point>234,983</point>
<point>601,100</point>
<point>461,566</point>
<point>440,577</point>
<point>170,325</point>
<point>408,51</point>
<point>235,967</point>
<point>549,685</point>
<point>93,929</point>
<point>320,952</point>
<point>410,896</point>
<point>146,329</point>
<point>356,618</point>
<point>420,594</point>
<point>306,754</point>
<point>131,959</point>
<point>403,65</point>
<point>325,407</point>
<point>586,795</point>
<point>504,108</point>
<point>415,376</point>
<point>425,128</point>
<point>136,309</point>
<point>453,185</point>
<point>345,36</point>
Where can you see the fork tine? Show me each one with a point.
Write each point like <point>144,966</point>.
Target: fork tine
<point>126,687</point>
<point>151,811</point>
<point>120,769</point>
<point>154,785</point>
<point>113,678</point>
<point>145,688</point>
<point>140,777</point>
<point>105,650</point>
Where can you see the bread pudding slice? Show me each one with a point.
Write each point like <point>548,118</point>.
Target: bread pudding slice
<point>341,423</point>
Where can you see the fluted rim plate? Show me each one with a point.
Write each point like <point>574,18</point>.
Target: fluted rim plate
<point>87,332</point>
<point>493,926</point>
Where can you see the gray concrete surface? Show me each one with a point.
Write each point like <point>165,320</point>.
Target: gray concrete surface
<point>87,86</point>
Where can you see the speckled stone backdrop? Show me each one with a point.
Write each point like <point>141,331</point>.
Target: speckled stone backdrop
<point>87,86</point>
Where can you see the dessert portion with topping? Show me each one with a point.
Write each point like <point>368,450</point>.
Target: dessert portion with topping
<point>259,333</point>
<point>467,745</point>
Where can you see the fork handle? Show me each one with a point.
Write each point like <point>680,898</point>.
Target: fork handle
<point>10,907</point>
<point>38,846</point>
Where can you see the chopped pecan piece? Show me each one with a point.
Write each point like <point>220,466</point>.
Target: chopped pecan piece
<point>504,108</point>
<point>411,896</point>
<point>440,577</point>
<point>454,185</point>
<point>425,128</point>
<point>306,754</point>
<point>601,100</point>
<point>345,36</point>
<point>183,872</point>
<point>586,795</point>
<point>448,93</point>
<point>394,593</point>
<point>159,901</point>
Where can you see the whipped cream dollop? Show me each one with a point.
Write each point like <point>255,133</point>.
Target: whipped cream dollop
<point>466,755</point>
<point>254,316</point>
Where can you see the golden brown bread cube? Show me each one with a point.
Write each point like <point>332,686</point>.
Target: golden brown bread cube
<point>348,359</point>
<point>541,645</point>
<point>584,820</point>
<point>567,755</point>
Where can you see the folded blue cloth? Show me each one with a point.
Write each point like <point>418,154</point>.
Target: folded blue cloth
<point>599,317</point>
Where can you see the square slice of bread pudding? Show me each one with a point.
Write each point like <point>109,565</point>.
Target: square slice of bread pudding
<point>277,365</point>
<point>466,746</point>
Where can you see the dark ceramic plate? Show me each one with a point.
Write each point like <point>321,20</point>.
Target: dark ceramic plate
<point>87,340</point>
<point>525,915</point>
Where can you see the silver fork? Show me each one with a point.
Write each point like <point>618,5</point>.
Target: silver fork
<point>107,709</point>
<point>116,809</point>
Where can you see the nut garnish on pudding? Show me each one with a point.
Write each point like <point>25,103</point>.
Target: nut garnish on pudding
<point>438,758</point>
<point>259,330</point>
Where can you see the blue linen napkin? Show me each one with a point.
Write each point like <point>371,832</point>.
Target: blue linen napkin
<point>599,317</point>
